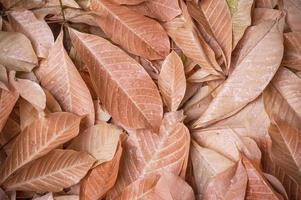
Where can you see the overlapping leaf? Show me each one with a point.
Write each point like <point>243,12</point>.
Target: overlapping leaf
<point>120,82</point>
<point>39,138</point>
<point>36,30</point>
<point>292,53</point>
<point>172,81</point>
<point>57,170</point>
<point>59,75</point>
<point>148,38</point>
<point>256,70</point>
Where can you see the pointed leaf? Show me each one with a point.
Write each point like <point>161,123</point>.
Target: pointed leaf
<point>241,18</point>
<point>148,153</point>
<point>101,178</point>
<point>53,172</point>
<point>58,74</point>
<point>36,30</point>
<point>149,39</point>
<point>258,187</point>
<point>16,52</point>
<point>184,33</point>
<point>39,138</point>
<point>237,92</point>
<point>219,18</point>
<point>172,82</point>
<point>136,96</point>
<point>228,185</point>
<point>7,103</point>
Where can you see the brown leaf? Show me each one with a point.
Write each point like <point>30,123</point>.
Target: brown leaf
<point>172,81</point>
<point>28,113</point>
<point>228,185</point>
<point>262,14</point>
<point>184,33</point>
<point>59,75</point>
<point>258,187</point>
<point>266,3</point>
<point>128,2</point>
<point>293,18</point>
<point>100,141</point>
<point>148,153</point>
<point>67,197</point>
<point>207,164</point>
<point>39,138</point>
<point>241,18</point>
<point>53,172</point>
<point>276,184</point>
<point>47,196</point>
<point>163,10</point>
<point>7,103</point>
<point>101,178</point>
<point>36,30</point>
<point>27,4</point>
<point>138,99</point>
<point>30,91</point>
<point>219,18</point>
<point>237,92</point>
<point>149,39</point>
<point>292,53</point>
<point>16,52</point>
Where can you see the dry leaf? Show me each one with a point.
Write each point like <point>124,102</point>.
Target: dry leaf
<point>172,81</point>
<point>53,172</point>
<point>184,33</point>
<point>47,196</point>
<point>241,18</point>
<point>256,70</point>
<point>100,141</point>
<point>101,178</point>
<point>28,113</point>
<point>16,52</point>
<point>292,53</point>
<point>163,10</point>
<point>137,96</point>
<point>293,18</point>
<point>128,2</point>
<point>149,39</point>
<point>67,197</point>
<point>148,153</point>
<point>36,30</point>
<point>59,75</point>
<point>44,135</point>
<point>266,3</point>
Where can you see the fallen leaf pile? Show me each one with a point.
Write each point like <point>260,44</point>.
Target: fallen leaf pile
<point>150,99</point>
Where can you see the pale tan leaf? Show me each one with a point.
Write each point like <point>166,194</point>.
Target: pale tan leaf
<point>201,75</point>
<point>228,142</point>
<point>256,70</point>
<point>66,3</point>
<point>184,33</point>
<point>146,152</point>
<point>121,82</point>
<point>100,113</point>
<point>228,185</point>
<point>293,18</point>
<point>163,10</point>
<point>241,18</point>
<point>100,141</point>
<point>16,52</point>
<point>59,75</point>
<point>148,38</point>
<point>219,18</point>
<point>39,138</point>
<point>31,92</point>
<point>51,103</point>
<point>36,30</point>
<point>207,164</point>
<point>3,196</point>
<point>7,103</point>
<point>288,85</point>
<point>3,78</point>
<point>28,113</point>
<point>24,4</point>
<point>101,178</point>
<point>292,53</point>
<point>53,172</point>
<point>258,187</point>
<point>172,82</point>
